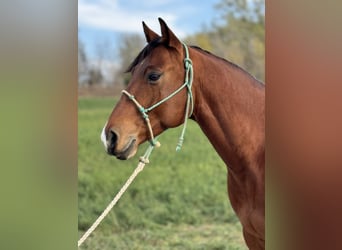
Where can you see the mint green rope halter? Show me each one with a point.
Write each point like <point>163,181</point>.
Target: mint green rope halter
<point>187,84</point>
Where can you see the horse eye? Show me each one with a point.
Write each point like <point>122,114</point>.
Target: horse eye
<point>153,77</point>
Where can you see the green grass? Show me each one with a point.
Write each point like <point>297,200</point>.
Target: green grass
<point>179,201</point>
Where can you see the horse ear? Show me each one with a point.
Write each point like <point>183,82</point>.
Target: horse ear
<point>168,36</point>
<point>149,34</point>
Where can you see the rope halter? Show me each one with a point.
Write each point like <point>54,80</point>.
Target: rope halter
<point>187,84</point>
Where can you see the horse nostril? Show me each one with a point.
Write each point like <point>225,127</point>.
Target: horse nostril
<point>112,139</point>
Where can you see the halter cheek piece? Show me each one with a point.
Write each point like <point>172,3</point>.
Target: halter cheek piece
<point>187,84</point>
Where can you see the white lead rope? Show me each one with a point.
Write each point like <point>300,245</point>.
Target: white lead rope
<point>138,169</point>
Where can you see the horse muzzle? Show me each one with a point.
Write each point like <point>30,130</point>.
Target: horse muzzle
<point>122,149</point>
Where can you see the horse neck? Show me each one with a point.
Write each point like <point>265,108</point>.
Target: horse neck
<point>229,108</point>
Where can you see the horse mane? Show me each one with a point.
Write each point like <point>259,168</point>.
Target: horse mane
<point>226,61</point>
<point>158,41</point>
<point>213,55</point>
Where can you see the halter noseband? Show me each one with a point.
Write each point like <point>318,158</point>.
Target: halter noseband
<point>187,84</point>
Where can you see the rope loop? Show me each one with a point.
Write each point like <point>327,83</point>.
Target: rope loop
<point>144,160</point>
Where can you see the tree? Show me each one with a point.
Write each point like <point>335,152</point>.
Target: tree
<point>82,64</point>
<point>129,47</point>
<point>241,38</point>
<point>95,76</point>
<point>238,36</point>
<point>201,39</point>
<point>92,72</point>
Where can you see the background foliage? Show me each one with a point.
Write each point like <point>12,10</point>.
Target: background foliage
<point>237,35</point>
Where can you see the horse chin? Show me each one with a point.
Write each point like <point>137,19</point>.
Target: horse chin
<point>129,150</point>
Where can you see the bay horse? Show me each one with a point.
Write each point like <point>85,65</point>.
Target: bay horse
<point>226,101</point>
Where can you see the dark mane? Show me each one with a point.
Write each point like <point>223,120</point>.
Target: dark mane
<point>226,61</point>
<point>144,53</point>
<point>211,54</point>
<point>154,43</point>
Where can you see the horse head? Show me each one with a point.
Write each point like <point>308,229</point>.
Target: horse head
<point>155,98</point>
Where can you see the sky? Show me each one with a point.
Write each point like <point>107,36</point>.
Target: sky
<point>104,21</point>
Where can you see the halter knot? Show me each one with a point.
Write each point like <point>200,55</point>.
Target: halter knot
<point>187,63</point>
<point>143,112</point>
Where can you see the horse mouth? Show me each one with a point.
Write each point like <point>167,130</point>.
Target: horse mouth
<point>128,151</point>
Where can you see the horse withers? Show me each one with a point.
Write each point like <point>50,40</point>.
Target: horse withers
<point>171,82</point>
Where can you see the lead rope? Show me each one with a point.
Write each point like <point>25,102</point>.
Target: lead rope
<point>142,162</point>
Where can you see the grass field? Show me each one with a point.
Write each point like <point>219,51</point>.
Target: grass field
<point>179,201</point>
